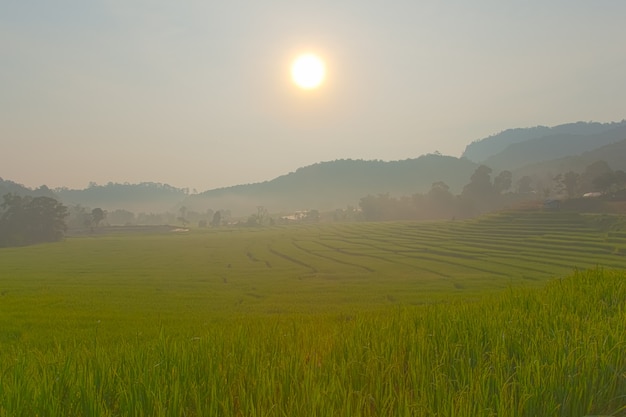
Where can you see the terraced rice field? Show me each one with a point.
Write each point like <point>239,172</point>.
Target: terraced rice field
<point>324,267</point>
<point>468,318</point>
<point>494,251</point>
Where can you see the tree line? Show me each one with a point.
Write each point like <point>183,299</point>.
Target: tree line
<point>27,220</point>
<point>484,193</point>
<point>479,195</point>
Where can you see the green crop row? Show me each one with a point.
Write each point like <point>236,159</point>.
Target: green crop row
<point>558,351</point>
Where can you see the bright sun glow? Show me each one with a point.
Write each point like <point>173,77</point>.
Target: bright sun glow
<point>308,71</point>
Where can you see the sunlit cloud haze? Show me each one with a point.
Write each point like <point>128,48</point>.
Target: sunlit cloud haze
<point>198,94</point>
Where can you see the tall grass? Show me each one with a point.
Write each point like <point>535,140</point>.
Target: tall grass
<point>555,351</point>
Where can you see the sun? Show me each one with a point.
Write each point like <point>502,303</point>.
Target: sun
<point>308,71</point>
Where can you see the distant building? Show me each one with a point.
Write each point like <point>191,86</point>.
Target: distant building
<point>297,216</point>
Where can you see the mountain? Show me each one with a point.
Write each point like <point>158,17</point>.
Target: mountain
<point>337,184</point>
<point>613,154</point>
<point>322,186</point>
<point>547,148</point>
<point>143,197</point>
<point>481,150</point>
<point>539,152</point>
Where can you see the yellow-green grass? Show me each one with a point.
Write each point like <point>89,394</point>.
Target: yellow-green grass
<point>385,319</point>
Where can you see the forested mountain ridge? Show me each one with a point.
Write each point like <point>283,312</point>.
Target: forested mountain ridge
<point>481,150</point>
<point>329,185</point>
<point>552,147</point>
<point>613,154</point>
<point>533,164</point>
<point>145,196</point>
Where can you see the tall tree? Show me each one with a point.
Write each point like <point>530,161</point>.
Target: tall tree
<point>568,182</point>
<point>376,208</point>
<point>440,193</point>
<point>97,215</point>
<point>440,202</point>
<point>27,220</point>
<point>217,219</point>
<point>480,185</point>
<point>502,181</point>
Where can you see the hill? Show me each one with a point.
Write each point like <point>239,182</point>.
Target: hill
<point>539,152</point>
<point>147,196</point>
<point>613,154</point>
<point>481,150</point>
<point>322,186</point>
<point>337,184</point>
<point>552,147</point>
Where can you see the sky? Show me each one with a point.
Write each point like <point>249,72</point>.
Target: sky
<point>197,94</point>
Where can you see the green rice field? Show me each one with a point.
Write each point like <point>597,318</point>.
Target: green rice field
<point>513,314</point>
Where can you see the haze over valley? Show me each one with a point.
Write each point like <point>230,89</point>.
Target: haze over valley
<point>537,154</point>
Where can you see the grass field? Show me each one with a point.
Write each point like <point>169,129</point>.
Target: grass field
<point>356,319</point>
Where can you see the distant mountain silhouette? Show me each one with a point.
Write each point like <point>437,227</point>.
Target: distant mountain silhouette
<point>337,184</point>
<point>481,150</point>
<point>538,152</point>
<point>613,154</point>
<point>146,196</point>
<point>547,148</point>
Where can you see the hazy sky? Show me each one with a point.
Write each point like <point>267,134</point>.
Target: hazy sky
<point>197,93</point>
